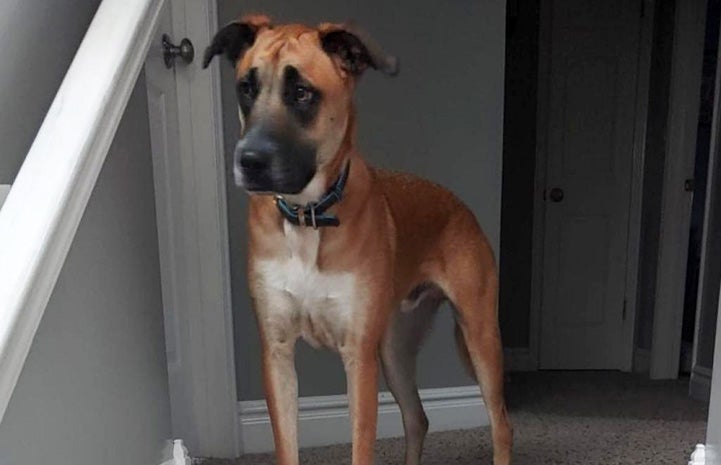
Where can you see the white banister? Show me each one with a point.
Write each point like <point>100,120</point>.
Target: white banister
<point>43,209</point>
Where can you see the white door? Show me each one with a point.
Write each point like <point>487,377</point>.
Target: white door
<point>188,168</point>
<point>164,131</point>
<point>590,116</point>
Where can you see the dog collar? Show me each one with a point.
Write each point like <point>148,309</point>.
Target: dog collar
<point>313,214</point>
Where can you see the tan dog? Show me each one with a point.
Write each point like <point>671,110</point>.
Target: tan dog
<point>342,254</point>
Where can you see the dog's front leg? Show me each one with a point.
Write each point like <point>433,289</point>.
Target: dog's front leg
<point>361,366</point>
<point>280,380</point>
<point>281,394</point>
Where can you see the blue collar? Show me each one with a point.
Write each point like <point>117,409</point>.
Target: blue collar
<point>313,214</point>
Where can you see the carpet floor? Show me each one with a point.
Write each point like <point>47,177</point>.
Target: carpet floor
<point>590,418</point>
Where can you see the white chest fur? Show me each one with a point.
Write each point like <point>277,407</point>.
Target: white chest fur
<point>319,305</point>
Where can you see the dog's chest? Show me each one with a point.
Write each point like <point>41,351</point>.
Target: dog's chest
<point>318,304</point>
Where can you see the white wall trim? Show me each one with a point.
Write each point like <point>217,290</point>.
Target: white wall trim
<point>684,95</point>
<point>700,384</point>
<point>41,214</point>
<point>324,420</point>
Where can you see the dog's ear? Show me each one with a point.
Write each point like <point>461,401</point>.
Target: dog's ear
<point>235,38</point>
<point>354,50</point>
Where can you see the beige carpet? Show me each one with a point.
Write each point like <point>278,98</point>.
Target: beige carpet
<point>569,418</point>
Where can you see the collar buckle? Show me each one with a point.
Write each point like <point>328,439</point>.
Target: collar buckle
<point>303,214</point>
<point>312,216</point>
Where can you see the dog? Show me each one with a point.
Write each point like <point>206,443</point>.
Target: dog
<point>342,254</point>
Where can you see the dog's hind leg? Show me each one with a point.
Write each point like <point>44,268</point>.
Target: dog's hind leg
<point>473,290</point>
<point>399,349</point>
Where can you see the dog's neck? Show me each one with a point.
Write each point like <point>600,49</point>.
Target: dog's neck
<point>340,204</point>
<point>321,183</point>
<point>328,174</point>
<point>314,213</point>
<point>355,192</point>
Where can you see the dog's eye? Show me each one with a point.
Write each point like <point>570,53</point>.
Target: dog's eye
<point>303,94</point>
<point>246,89</point>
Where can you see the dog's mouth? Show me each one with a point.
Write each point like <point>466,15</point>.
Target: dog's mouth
<point>273,181</point>
<point>252,182</point>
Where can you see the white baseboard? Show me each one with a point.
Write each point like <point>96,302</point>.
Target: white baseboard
<point>325,420</point>
<point>518,359</point>
<point>641,360</point>
<point>700,384</point>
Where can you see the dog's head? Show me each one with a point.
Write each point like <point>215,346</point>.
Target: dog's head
<point>294,88</point>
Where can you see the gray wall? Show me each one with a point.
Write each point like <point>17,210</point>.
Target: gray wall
<point>39,38</point>
<point>441,118</point>
<point>94,387</point>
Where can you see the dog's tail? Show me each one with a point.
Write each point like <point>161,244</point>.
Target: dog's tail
<point>463,351</point>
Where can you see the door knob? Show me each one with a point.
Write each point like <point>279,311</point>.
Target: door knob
<point>556,194</point>
<point>185,51</point>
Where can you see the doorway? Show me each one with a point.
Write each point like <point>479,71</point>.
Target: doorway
<point>593,57</point>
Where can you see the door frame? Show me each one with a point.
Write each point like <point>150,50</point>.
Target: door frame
<point>684,99</point>
<point>193,242</point>
<point>539,204</point>
<point>700,384</point>
<point>713,428</point>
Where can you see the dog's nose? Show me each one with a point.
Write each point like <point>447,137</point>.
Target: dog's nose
<point>253,159</point>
